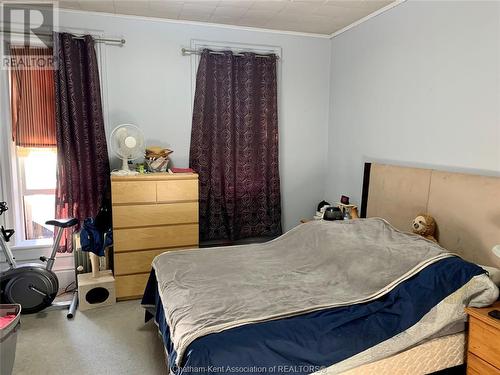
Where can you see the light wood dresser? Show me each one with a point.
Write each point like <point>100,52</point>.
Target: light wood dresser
<point>483,356</point>
<point>152,213</point>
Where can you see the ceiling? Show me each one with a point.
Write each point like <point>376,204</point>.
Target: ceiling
<point>307,16</point>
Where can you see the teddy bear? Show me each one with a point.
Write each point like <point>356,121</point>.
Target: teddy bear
<point>425,225</point>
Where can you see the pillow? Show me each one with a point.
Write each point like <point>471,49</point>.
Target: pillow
<point>493,272</point>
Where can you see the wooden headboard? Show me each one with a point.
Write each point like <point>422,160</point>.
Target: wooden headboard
<point>466,206</point>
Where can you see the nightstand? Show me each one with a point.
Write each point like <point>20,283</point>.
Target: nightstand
<point>483,356</point>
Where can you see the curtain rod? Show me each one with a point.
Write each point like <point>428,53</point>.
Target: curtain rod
<point>97,40</point>
<point>188,52</point>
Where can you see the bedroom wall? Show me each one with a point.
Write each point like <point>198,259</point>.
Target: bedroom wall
<point>418,85</point>
<point>149,84</point>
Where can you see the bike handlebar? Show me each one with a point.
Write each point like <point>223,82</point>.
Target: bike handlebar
<point>5,233</point>
<point>3,207</point>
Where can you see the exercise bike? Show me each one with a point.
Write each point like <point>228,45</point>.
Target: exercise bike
<point>32,285</point>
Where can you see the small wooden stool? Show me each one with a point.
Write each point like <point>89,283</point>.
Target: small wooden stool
<point>96,290</point>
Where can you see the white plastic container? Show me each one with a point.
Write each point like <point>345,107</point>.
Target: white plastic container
<point>8,338</point>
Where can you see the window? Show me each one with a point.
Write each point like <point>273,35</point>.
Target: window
<point>37,182</point>
<point>32,102</point>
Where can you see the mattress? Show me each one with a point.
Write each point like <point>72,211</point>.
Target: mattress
<point>431,356</point>
<point>427,304</point>
<point>208,291</point>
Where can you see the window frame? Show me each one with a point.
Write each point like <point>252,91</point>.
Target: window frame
<point>9,175</point>
<point>12,183</point>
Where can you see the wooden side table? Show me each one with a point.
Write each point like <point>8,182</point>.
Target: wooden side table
<point>483,356</point>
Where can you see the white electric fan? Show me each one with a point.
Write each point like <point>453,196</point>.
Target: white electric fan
<point>127,142</point>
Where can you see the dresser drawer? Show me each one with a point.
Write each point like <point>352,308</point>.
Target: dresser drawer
<point>131,286</point>
<point>154,214</point>
<point>476,366</point>
<point>133,192</point>
<point>484,341</point>
<point>139,261</point>
<point>135,261</point>
<point>177,190</point>
<point>155,237</point>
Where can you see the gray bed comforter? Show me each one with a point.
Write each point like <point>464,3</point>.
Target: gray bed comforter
<point>314,266</point>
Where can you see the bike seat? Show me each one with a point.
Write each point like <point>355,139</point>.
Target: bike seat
<point>62,223</point>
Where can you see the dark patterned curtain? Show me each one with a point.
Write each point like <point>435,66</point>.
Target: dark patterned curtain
<point>234,146</point>
<point>82,156</point>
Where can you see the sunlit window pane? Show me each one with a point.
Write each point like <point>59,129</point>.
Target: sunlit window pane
<point>38,208</point>
<point>38,183</point>
<point>40,168</point>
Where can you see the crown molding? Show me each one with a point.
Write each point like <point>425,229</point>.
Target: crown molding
<point>368,17</point>
<point>242,28</point>
<point>197,23</point>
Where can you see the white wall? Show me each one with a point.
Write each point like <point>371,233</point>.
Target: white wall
<point>418,85</point>
<point>149,83</point>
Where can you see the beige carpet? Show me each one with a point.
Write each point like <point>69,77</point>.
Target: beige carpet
<point>108,340</point>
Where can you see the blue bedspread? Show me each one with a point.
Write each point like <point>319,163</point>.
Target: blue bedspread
<point>306,343</point>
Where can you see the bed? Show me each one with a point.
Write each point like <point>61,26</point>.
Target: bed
<point>352,297</point>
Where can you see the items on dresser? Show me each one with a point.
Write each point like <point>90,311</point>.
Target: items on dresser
<point>354,213</point>
<point>344,199</point>
<point>156,158</point>
<point>350,211</point>
<point>152,213</point>
<point>333,213</point>
<point>495,314</point>
<point>322,206</point>
<point>181,170</point>
<point>127,143</point>
<point>483,357</point>
<point>157,152</point>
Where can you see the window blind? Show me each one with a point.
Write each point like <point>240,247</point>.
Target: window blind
<point>32,101</point>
